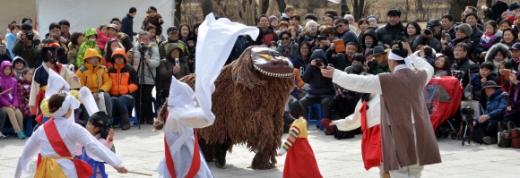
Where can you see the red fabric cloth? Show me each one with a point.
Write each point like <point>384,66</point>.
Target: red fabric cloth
<point>195,163</point>
<point>300,161</point>
<point>443,110</point>
<point>83,169</point>
<point>370,142</point>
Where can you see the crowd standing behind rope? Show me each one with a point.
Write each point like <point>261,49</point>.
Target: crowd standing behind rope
<point>483,51</point>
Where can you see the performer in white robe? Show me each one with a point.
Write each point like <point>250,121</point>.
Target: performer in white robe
<point>408,140</point>
<point>188,109</point>
<point>71,134</point>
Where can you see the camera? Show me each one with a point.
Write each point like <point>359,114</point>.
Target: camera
<point>29,35</point>
<point>372,64</point>
<point>142,47</point>
<point>467,111</point>
<point>319,62</point>
<point>457,74</point>
<point>428,31</point>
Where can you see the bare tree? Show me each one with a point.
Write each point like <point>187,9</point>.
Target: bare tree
<point>264,5</point>
<point>177,14</point>
<point>244,11</point>
<point>358,7</point>
<point>457,7</point>
<point>281,5</point>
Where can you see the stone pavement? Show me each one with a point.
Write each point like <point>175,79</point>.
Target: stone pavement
<point>141,150</point>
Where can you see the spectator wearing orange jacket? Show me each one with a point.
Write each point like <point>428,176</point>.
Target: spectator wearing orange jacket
<point>124,85</point>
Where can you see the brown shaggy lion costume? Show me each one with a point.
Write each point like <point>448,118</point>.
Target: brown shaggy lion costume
<point>248,102</point>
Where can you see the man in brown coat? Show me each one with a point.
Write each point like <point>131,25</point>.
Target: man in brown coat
<point>408,140</point>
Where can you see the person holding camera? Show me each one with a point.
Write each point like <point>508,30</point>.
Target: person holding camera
<point>145,59</point>
<point>26,45</point>
<point>432,35</point>
<point>321,88</point>
<point>379,64</point>
<point>174,65</point>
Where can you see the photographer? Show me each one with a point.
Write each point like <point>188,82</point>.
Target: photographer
<point>486,125</point>
<point>432,36</point>
<point>146,73</point>
<point>379,63</point>
<point>174,65</point>
<point>321,88</point>
<point>26,45</point>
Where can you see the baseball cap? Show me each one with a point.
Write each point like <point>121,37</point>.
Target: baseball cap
<point>516,46</point>
<point>172,29</point>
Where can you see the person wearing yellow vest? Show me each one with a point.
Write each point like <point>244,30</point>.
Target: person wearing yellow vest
<point>56,142</point>
<point>94,75</point>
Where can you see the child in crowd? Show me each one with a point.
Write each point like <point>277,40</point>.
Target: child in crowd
<point>191,47</point>
<point>102,37</point>
<point>273,45</point>
<point>9,98</point>
<point>488,39</point>
<point>504,70</point>
<point>473,91</point>
<point>99,126</point>
<point>91,37</point>
<point>300,161</point>
<point>19,66</point>
<point>428,55</point>
<point>24,91</point>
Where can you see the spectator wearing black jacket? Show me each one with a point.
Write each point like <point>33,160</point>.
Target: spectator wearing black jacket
<point>321,88</point>
<point>303,59</point>
<point>393,30</point>
<point>128,23</point>
<point>344,32</point>
<point>447,24</point>
<point>267,33</point>
<point>462,63</point>
<point>472,20</point>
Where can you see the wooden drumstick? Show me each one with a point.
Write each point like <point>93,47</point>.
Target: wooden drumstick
<point>139,173</point>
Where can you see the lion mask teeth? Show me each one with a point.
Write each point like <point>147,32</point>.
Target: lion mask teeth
<point>270,74</point>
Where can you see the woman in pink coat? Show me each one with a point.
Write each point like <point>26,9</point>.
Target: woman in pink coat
<point>102,37</point>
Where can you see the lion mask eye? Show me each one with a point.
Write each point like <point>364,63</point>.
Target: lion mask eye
<point>266,56</point>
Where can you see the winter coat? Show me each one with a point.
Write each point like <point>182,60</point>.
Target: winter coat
<point>10,97</point>
<point>24,91</point>
<point>154,21</point>
<point>29,53</point>
<point>319,85</point>
<point>266,37</point>
<point>298,83</point>
<point>86,45</point>
<point>387,34</point>
<point>339,60</point>
<point>164,46</point>
<point>452,32</point>
<point>475,38</point>
<point>477,87</point>
<point>290,51</point>
<point>6,56</point>
<point>497,9</point>
<point>348,36</point>
<point>127,25</point>
<point>493,51</point>
<point>101,40</point>
<point>10,38</point>
<point>301,64</point>
<point>464,65</point>
<point>373,34</point>
<point>18,73</point>
<point>124,77</point>
<point>496,106</point>
<point>125,41</point>
<point>167,64</point>
<point>149,69</point>
<point>450,47</point>
<point>513,99</point>
<point>430,60</point>
<point>94,77</point>
<point>73,53</point>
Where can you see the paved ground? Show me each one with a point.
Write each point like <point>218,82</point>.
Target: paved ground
<point>141,150</point>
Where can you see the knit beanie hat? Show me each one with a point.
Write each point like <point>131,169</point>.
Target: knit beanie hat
<point>272,18</point>
<point>372,17</point>
<point>465,28</point>
<point>514,6</point>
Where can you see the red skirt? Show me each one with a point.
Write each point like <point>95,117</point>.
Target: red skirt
<point>300,161</point>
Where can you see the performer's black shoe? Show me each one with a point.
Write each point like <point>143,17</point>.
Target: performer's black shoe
<point>220,164</point>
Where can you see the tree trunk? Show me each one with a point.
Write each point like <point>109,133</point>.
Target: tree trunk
<point>419,8</point>
<point>206,6</point>
<point>359,7</point>
<point>264,5</point>
<point>344,7</point>
<point>457,7</point>
<point>281,5</point>
<point>177,12</point>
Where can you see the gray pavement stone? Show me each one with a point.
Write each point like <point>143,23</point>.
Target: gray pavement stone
<point>141,150</point>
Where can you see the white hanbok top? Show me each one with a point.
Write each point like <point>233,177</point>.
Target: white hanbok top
<point>72,134</point>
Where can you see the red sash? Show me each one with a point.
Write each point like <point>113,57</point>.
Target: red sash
<point>83,169</point>
<point>370,142</point>
<point>195,161</point>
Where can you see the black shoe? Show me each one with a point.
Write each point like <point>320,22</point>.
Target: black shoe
<point>487,140</point>
<point>220,164</point>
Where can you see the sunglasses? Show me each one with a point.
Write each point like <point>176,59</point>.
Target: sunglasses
<point>339,26</point>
